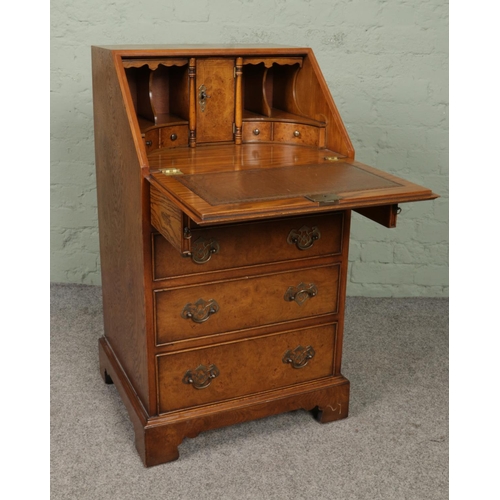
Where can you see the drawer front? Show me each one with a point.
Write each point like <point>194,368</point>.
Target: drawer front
<point>250,244</point>
<point>256,132</point>
<point>225,306</point>
<point>294,133</point>
<point>151,140</point>
<point>225,371</point>
<point>174,136</point>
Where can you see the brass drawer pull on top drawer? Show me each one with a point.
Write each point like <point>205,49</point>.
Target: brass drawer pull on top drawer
<point>301,293</point>
<point>200,311</point>
<point>299,357</point>
<point>201,377</point>
<point>304,237</point>
<point>202,250</point>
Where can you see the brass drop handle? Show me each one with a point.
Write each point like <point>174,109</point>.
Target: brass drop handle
<point>304,237</point>
<point>202,250</point>
<point>299,357</point>
<point>256,131</point>
<point>200,311</point>
<point>201,377</point>
<point>296,133</point>
<point>203,96</point>
<point>301,293</point>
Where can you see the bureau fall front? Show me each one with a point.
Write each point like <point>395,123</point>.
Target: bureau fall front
<point>225,184</point>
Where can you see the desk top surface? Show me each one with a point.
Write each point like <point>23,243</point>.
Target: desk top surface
<point>228,182</point>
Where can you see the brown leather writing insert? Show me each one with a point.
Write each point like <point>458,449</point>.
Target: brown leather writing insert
<point>253,185</point>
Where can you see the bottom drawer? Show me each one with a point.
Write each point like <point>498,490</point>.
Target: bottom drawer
<point>233,369</point>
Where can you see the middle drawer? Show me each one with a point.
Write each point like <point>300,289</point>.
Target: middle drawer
<point>197,311</point>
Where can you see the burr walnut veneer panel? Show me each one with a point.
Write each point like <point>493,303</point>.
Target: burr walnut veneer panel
<point>245,303</point>
<point>236,373</point>
<point>251,244</point>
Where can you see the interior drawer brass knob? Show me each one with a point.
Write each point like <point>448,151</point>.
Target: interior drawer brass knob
<point>296,133</point>
<point>256,131</point>
<point>299,357</point>
<point>173,137</point>
<point>201,377</point>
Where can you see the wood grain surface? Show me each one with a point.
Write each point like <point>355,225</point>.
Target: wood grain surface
<point>254,181</point>
<point>124,246</point>
<point>246,367</point>
<point>215,122</point>
<point>244,303</point>
<point>250,245</point>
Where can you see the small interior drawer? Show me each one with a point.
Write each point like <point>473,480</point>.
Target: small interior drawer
<point>256,132</point>
<point>296,133</point>
<point>188,312</point>
<point>229,370</point>
<point>174,136</point>
<point>151,140</point>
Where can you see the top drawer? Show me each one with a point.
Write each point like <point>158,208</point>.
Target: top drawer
<point>239,245</point>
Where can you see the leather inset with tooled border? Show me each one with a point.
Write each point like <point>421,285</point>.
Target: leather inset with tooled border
<point>244,186</point>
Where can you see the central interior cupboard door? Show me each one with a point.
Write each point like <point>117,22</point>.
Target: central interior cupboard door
<point>214,100</point>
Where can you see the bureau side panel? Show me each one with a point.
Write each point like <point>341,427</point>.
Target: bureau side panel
<point>121,197</point>
<point>342,291</point>
<point>315,101</point>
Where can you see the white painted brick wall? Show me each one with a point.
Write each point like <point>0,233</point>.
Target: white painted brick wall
<point>385,61</point>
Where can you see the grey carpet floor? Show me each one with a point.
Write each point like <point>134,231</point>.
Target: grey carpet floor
<point>393,445</point>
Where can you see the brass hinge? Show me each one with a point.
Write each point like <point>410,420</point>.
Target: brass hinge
<point>171,171</point>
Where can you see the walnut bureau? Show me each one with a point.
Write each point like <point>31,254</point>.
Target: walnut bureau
<point>225,184</point>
